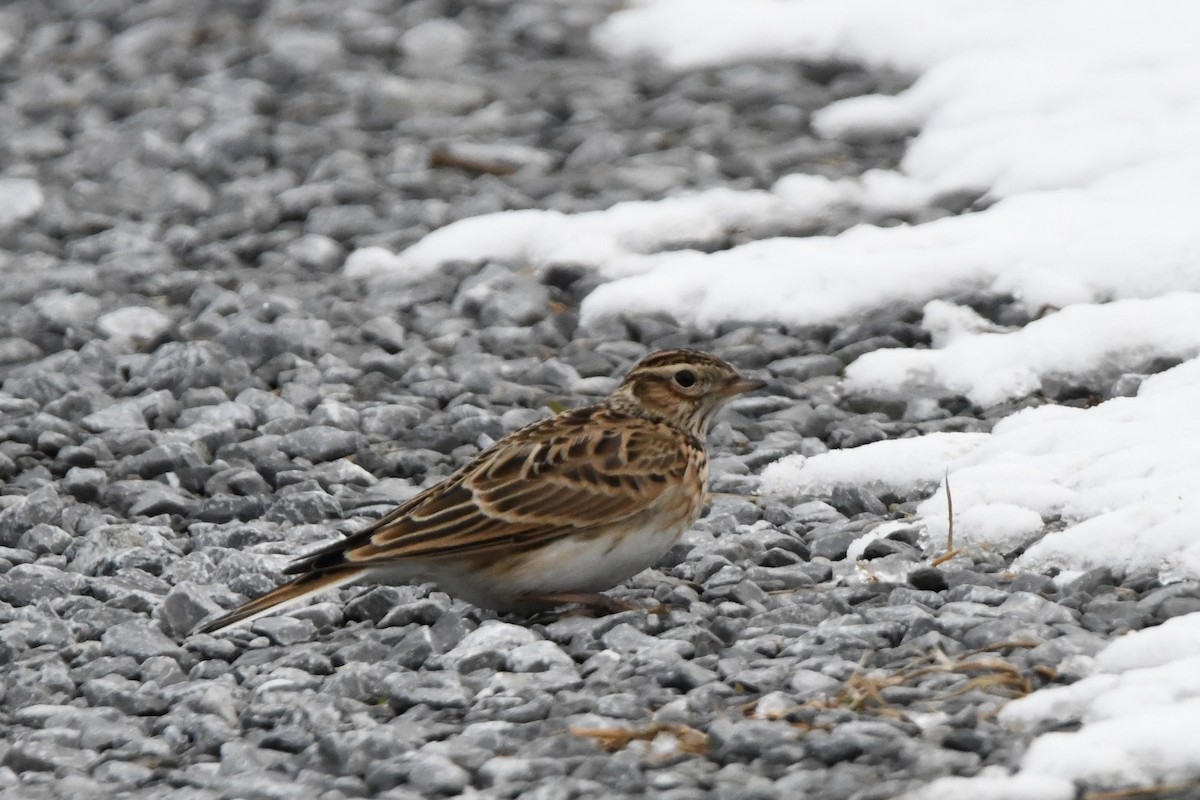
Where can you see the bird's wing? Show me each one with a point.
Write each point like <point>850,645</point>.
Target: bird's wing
<point>577,471</point>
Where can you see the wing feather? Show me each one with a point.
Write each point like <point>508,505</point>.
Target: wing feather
<point>577,471</point>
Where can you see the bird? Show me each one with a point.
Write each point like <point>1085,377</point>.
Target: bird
<point>552,514</point>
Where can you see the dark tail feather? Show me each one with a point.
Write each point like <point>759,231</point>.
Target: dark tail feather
<point>277,599</point>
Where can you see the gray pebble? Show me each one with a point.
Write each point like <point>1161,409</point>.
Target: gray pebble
<point>436,775</point>
<point>139,639</point>
<point>185,606</point>
<point>107,548</point>
<point>43,538</point>
<point>319,443</point>
<point>40,507</point>
<point>433,689</point>
<point>27,583</point>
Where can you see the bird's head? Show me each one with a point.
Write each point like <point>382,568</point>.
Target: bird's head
<point>685,387</point>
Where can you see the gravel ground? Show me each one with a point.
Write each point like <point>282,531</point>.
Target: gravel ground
<point>192,393</point>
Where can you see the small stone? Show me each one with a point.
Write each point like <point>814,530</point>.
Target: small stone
<point>129,696</point>
<point>801,368</point>
<point>133,412</point>
<point>374,604</point>
<point>334,414</point>
<point>163,670</point>
<point>852,500</point>
<point>285,631</point>
<point>436,43</point>
<point>163,501</point>
<point>487,646</point>
<point>107,548</point>
<point>315,251</point>
<point>507,771</point>
<point>319,443</point>
<point>85,484</point>
<point>185,606</point>
<point>432,774</point>
<point>538,656</point>
<point>423,611</point>
<point>138,638</point>
<point>178,366</point>
<point>15,350</point>
<point>414,650</point>
<point>40,506</point>
<point>433,689</point>
<point>341,473</point>
<point>499,296</point>
<point>1107,615</point>
<point>27,583</point>
<point>43,538</point>
<point>833,545</point>
<point>227,507</point>
<point>746,740</point>
<point>964,740</point>
<point>20,198</point>
<point>52,442</point>
<point>385,332</point>
<point>133,324</point>
<point>390,421</point>
<point>928,578</point>
<point>881,548</point>
<point>833,748</point>
<point>266,406</point>
<point>306,507</point>
<point>166,457</point>
<point>1034,608</point>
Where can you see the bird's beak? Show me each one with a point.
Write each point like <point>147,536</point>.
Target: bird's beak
<point>743,385</point>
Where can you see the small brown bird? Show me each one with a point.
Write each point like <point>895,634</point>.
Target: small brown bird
<point>553,513</point>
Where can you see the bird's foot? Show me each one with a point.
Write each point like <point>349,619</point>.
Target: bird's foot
<point>595,601</point>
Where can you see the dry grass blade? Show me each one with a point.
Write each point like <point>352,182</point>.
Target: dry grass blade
<point>1158,791</point>
<point>613,739</point>
<point>951,552</point>
<point>949,515</point>
<point>1016,685</point>
<point>944,557</point>
<point>863,693</point>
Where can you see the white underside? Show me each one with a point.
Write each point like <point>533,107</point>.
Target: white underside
<point>569,565</point>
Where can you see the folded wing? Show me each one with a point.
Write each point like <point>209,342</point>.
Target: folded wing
<point>566,474</point>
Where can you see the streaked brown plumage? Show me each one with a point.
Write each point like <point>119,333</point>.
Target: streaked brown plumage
<point>553,513</point>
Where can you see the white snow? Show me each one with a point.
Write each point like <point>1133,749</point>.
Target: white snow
<point>989,368</point>
<point>366,262</point>
<point>904,467</point>
<point>1122,475</point>
<point>1080,122</point>
<point>991,784</point>
<point>610,240</point>
<point>1137,713</point>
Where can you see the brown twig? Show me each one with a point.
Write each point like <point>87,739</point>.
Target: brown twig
<point>441,157</point>
<point>613,739</point>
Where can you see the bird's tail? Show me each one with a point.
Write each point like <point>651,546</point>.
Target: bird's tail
<point>286,595</point>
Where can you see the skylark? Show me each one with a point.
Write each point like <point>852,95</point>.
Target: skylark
<point>551,514</point>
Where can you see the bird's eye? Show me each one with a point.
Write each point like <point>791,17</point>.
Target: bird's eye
<point>685,378</point>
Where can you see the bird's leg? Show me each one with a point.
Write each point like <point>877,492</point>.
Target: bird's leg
<point>593,600</point>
